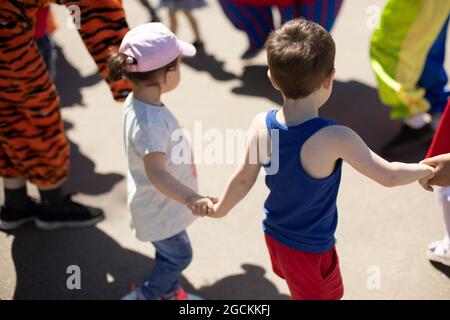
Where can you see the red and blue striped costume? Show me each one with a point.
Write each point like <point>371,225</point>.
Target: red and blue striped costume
<point>254,17</point>
<point>441,141</point>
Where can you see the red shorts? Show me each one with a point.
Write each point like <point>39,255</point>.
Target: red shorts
<point>441,142</point>
<point>309,276</point>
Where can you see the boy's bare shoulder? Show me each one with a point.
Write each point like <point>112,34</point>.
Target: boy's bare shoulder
<point>336,132</point>
<point>258,127</point>
<point>332,137</point>
<point>259,121</point>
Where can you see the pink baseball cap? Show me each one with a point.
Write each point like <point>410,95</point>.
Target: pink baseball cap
<point>152,46</point>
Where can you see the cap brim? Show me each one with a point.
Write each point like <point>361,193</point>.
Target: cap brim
<point>187,49</point>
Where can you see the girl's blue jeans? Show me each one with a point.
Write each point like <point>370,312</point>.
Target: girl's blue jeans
<point>173,255</point>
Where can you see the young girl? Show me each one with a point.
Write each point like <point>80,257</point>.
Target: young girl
<point>186,6</point>
<point>159,186</point>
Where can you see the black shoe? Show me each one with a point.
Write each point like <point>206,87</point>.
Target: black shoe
<point>11,219</point>
<point>409,137</point>
<point>250,53</point>
<point>72,214</point>
<point>199,45</point>
<point>155,18</point>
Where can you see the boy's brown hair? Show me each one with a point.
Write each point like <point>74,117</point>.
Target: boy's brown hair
<point>300,56</point>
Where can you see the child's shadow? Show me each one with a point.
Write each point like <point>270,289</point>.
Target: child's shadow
<point>108,270</point>
<point>41,260</point>
<point>250,285</point>
<point>83,177</point>
<point>442,268</point>
<point>203,61</point>
<point>69,81</point>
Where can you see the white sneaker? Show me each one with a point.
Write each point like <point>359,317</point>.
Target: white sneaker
<point>439,252</point>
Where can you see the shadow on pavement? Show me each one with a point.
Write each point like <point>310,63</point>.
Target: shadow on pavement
<point>69,81</point>
<point>41,260</point>
<point>151,11</point>
<point>254,82</point>
<point>203,61</point>
<point>352,103</point>
<point>82,175</point>
<point>245,286</point>
<point>108,270</point>
<point>441,267</point>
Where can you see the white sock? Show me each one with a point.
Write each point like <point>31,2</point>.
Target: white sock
<point>444,195</point>
<point>417,121</point>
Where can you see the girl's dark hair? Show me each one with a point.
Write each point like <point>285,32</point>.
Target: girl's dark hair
<point>117,63</point>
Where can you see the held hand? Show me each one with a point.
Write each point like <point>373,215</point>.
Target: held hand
<point>442,165</point>
<point>201,206</point>
<point>425,181</point>
<point>213,199</point>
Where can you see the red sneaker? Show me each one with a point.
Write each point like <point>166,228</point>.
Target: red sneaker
<point>180,294</point>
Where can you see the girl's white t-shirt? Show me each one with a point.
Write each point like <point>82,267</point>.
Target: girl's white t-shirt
<point>149,128</point>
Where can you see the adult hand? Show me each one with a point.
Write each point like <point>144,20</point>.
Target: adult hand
<point>442,174</point>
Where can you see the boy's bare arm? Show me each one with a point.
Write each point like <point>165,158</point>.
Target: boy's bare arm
<point>349,146</point>
<point>237,188</point>
<point>245,176</point>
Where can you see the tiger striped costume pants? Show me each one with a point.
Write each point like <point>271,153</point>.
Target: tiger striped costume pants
<point>33,144</point>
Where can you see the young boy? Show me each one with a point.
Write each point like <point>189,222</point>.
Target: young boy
<point>306,152</point>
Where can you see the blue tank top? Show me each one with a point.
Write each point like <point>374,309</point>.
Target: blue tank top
<point>301,211</point>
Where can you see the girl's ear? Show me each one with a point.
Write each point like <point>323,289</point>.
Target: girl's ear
<point>269,75</point>
<point>168,75</point>
<point>170,72</point>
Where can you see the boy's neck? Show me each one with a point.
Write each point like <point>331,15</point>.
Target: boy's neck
<point>150,95</point>
<point>298,111</point>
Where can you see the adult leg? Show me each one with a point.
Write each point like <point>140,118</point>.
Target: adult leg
<point>15,193</point>
<point>198,43</point>
<point>399,51</point>
<point>445,196</point>
<point>323,12</point>
<point>439,251</point>
<point>46,46</point>
<point>18,207</point>
<point>420,127</point>
<point>173,21</point>
<point>255,21</point>
<point>58,210</point>
<point>153,15</point>
<point>33,144</point>
<point>434,78</point>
